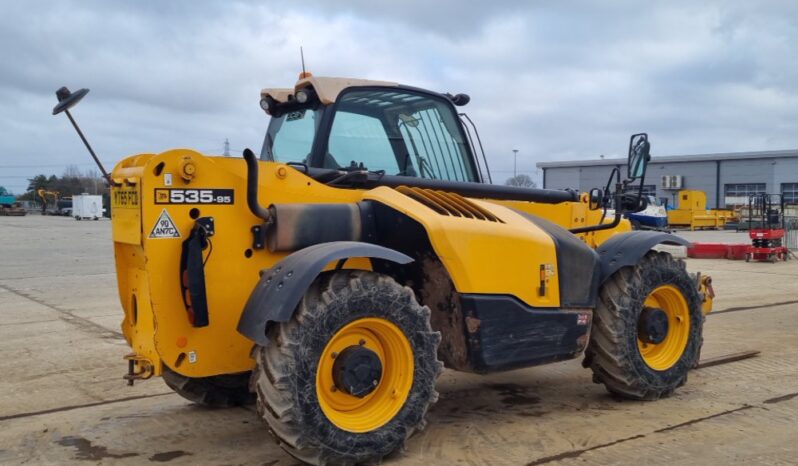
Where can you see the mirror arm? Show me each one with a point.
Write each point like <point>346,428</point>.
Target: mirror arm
<point>621,186</point>
<point>604,226</point>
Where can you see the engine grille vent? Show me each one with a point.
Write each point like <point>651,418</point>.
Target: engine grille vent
<point>450,204</point>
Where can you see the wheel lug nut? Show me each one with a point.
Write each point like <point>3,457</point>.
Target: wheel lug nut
<point>361,342</point>
<point>334,355</point>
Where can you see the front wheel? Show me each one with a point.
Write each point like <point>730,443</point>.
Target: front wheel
<point>647,330</point>
<point>350,377</point>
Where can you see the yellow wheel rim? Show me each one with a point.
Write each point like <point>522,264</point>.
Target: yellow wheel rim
<point>374,410</point>
<point>663,355</point>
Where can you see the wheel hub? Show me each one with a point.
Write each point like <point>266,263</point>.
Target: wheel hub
<point>347,394</point>
<point>653,325</point>
<point>357,371</point>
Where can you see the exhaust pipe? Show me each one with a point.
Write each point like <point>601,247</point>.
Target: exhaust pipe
<point>252,187</point>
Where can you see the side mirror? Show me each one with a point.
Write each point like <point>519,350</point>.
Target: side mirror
<point>595,199</point>
<point>639,156</point>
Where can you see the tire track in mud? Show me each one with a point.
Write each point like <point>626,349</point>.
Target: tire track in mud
<point>81,406</point>
<point>579,452</point>
<point>752,308</point>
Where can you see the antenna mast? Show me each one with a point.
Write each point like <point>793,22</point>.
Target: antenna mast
<point>302,56</point>
<point>67,100</point>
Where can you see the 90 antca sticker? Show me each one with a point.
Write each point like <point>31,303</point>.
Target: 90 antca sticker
<point>164,227</point>
<point>193,196</point>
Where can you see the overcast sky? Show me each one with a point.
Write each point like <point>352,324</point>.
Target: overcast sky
<point>556,80</point>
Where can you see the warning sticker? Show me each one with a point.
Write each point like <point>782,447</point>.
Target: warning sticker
<point>164,227</point>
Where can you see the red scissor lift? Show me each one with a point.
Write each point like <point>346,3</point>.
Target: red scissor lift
<point>766,228</point>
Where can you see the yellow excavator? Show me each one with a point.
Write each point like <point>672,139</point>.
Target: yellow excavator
<point>54,195</point>
<point>331,278</point>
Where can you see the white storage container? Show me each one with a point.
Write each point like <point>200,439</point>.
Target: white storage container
<point>87,206</point>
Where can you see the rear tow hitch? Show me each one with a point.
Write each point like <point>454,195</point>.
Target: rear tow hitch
<point>138,368</point>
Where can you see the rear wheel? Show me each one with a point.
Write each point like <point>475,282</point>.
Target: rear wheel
<point>350,377</point>
<point>647,331</point>
<point>219,391</point>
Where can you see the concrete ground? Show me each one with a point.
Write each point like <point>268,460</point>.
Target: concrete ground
<point>63,401</point>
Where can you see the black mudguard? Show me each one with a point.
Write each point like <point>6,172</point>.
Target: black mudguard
<point>281,287</point>
<point>625,249</point>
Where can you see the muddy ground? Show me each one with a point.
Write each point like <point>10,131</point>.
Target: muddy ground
<point>63,401</point>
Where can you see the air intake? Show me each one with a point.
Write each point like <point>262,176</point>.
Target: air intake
<point>450,204</point>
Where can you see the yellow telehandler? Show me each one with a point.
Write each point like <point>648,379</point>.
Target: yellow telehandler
<point>331,278</point>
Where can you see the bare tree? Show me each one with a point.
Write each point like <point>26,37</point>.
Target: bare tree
<point>521,181</point>
<point>72,171</point>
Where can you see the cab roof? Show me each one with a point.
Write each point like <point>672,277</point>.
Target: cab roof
<point>327,88</point>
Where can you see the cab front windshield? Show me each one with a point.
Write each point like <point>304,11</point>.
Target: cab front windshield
<point>398,132</point>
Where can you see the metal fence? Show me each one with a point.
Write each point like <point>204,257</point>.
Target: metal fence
<point>791,233</point>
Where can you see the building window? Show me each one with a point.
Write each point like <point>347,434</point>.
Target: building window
<point>737,194</point>
<point>790,193</point>
<point>648,189</point>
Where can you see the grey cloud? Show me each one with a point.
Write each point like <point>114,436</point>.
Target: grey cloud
<point>553,79</point>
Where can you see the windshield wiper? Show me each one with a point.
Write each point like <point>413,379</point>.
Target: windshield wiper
<point>356,175</point>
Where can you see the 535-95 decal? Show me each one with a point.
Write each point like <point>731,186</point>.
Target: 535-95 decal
<point>194,196</point>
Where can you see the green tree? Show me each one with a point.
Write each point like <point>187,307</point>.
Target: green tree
<point>37,182</point>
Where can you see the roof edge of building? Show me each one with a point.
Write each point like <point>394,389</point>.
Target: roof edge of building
<point>676,158</point>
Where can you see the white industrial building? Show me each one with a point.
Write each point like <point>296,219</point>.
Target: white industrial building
<point>727,179</point>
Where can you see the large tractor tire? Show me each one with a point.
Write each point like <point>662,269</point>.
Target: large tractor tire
<point>647,329</point>
<point>350,377</point>
<point>219,391</point>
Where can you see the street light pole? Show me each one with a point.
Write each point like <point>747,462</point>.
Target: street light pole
<point>515,163</point>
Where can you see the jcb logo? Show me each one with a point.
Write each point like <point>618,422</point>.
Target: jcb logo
<point>161,196</point>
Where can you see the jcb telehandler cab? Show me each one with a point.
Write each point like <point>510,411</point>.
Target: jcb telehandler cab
<point>332,278</point>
